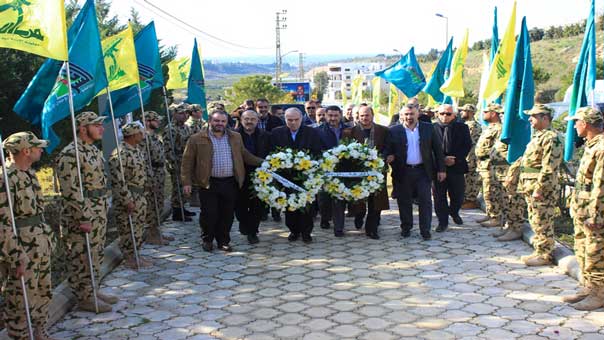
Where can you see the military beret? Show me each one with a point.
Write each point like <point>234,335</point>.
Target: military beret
<point>152,115</point>
<point>23,140</point>
<point>468,107</point>
<point>493,107</point>
<point>89,118</point>
<point>539,109</point>
<point>131,129</point>
<point>587,114</point>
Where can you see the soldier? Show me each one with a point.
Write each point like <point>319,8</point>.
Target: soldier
<point>87,214</point>
<point>492,190</point>
<point>539,184</point>
<point>472,177</point>
<point>128,192</point>
<point>195,121</point>
<point>180,134</point>
<point>32,259</point>
<point>156,176</point>
<point>587,210</point>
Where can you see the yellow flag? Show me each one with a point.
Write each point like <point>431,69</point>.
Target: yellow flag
<point>376,89</point>
<point>453,86</point>
<point>501,66</point>
<point>34,26</point>
<point>393,101</point>
<point>178,73</point>
<point>119,55</point>
<point>357,90</point>
<point>343,90</point>
<point>483,82</point>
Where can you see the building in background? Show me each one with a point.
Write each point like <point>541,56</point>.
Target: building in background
<point>346,72</point>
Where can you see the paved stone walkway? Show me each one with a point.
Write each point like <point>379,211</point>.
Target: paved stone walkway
<point>461,284</point>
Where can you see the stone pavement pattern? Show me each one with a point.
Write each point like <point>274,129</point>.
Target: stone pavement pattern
<point>461,284</point>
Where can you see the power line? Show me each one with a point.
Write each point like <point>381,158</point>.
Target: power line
<point>201,31</point>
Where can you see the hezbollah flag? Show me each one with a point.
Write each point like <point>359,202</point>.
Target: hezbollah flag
<point>343,91</point>
<point>392,101</point>
<point>120,60</point>
<point>376,89</point>
<point>34,26</point>
<point>196,90</point>
<point>357,90</point>
<point>178,73</point>
<point>453,86</point>
<point>502,64</point>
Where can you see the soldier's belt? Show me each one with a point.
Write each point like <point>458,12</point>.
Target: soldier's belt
<point>25,222</point>
<point>95,193</point>
<point>499,162</point>
<point>529,170</point>
<point>582,187</point>
<point>136,190</point>
<point>157,164</point>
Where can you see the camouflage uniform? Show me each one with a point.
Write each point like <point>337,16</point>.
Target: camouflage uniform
<point>131,190</point>
<point>539,173</point>
<point>472,177</point>
<point>156,177</point>
<point>180,135</point>
<point>34,237</point>
<point>92,209</point>
<point>492,190</point>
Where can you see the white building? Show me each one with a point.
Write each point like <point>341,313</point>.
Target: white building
<point>346,72</point>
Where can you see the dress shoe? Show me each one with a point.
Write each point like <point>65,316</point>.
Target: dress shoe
<point>276,215</point>
<point>292,237</point>
<point>306,238</point>
<point>580,295</point>
<point>358,222</point>
<point>457,219</point>
<point>225,248</point>
<point>510,235</point>
<point>88,306</point>
<point>253,238</point>
<point>594,300</point>
<point>494,222</point>
<point>373,236</point>
<point>325,225</point>
<point>483,219</point>
<point>539,260</point>
<point>441,228</point>
<point>338,234</point>
<point>189,213</point>
<point>470,205</point>
<point>207,246</point>
<point>405,233</point>
<point>108,298</point>
<point>177,216</point>
<point>427,236</point>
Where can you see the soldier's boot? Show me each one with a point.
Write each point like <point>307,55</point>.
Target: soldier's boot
<point>41,334</point>
<point>470,205</point>
<point>578,296</point>
<point>154,237</point>
<point>491,223</point>
<point>483,219</point>
<point>108,298</point>
<point>527,257</point>
<point>538,260</point>
<point>500,232</point>
<point>594,300</point>
<point>88,306</point>
<point>510,235</point>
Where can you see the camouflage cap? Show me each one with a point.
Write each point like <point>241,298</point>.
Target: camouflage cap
<point>176,108</point>
<point>131,129</point>
<point>89,118</point>
<point>539,109</point>
<point>195,107</point>
<point>152,115</point>
<point>588,115</point>
<point>468,108</point>
<point>493,107</point>
<point>23,140</point>
<point>216,106</point>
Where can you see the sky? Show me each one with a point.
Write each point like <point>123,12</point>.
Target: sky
<point>339,27</point>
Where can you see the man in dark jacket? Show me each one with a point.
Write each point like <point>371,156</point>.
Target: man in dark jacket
<point>267,121</point>
<point>456,143</point>
<point>415,154</point>
<point>298,137</point>
<point>248,208</point>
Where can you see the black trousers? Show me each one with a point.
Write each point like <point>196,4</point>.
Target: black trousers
<point>373,216</point>
<point>217,210</point>
<point>299,222</point>
<point>325,207</point>
<point>454,187</point>
<point>415,179</point>
<point>248,209</point>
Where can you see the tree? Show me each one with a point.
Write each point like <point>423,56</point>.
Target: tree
<point>321,80</point>
<point>135,21</point>
<point>536,34</point>
<point>108,26</point>
<point>257,86</point>
<point>540,76</point>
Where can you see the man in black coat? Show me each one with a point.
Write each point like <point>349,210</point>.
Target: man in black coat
<point>266,121</point>
<point>415,154</point>
<point>298,137</point>
<point>248,208</point>
<point>456,143</point>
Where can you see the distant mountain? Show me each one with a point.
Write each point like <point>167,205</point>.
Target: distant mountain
<point>218,70</point>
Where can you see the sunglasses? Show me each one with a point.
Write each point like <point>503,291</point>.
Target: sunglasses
<point>311,108</point>
<point>445,113</point>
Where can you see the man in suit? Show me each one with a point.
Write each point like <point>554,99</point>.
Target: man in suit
<point>248,208</point>
<point>298,137</point>
<point>456,143</point>
<point>267,121</point>
<point>374,135</point>
<point>415,154</point>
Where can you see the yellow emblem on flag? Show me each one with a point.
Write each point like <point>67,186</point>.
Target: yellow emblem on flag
<point>393,101</point>
<point>344,95</point>
<point>453,86</point>
<point>178,73</point>
<point>376,93</point>
<point>119,55</point>
<point>501,66</point>
<point>34,26</point>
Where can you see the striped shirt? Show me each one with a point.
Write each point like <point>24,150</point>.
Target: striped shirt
<point>222,158</point>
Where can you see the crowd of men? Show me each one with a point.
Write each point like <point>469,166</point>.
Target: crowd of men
<point>440,158</point>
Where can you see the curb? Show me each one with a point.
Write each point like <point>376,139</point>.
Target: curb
<point>62,298</point>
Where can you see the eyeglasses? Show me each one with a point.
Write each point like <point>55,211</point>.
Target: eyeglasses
<point>311,108</point>
<point>445,113</point>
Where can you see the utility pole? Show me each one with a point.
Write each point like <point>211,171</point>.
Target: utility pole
<point>301,67</point>
<point>280,25</point>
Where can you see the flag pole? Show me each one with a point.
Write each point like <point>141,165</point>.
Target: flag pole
<point>77,157</point>
<point>122,177</point>
<point>12,220</point>
<point>148,148</point>
<point>180,198</point>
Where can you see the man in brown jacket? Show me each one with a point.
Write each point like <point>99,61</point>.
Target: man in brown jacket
<point>374,135</point>
<point>213,161</point>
